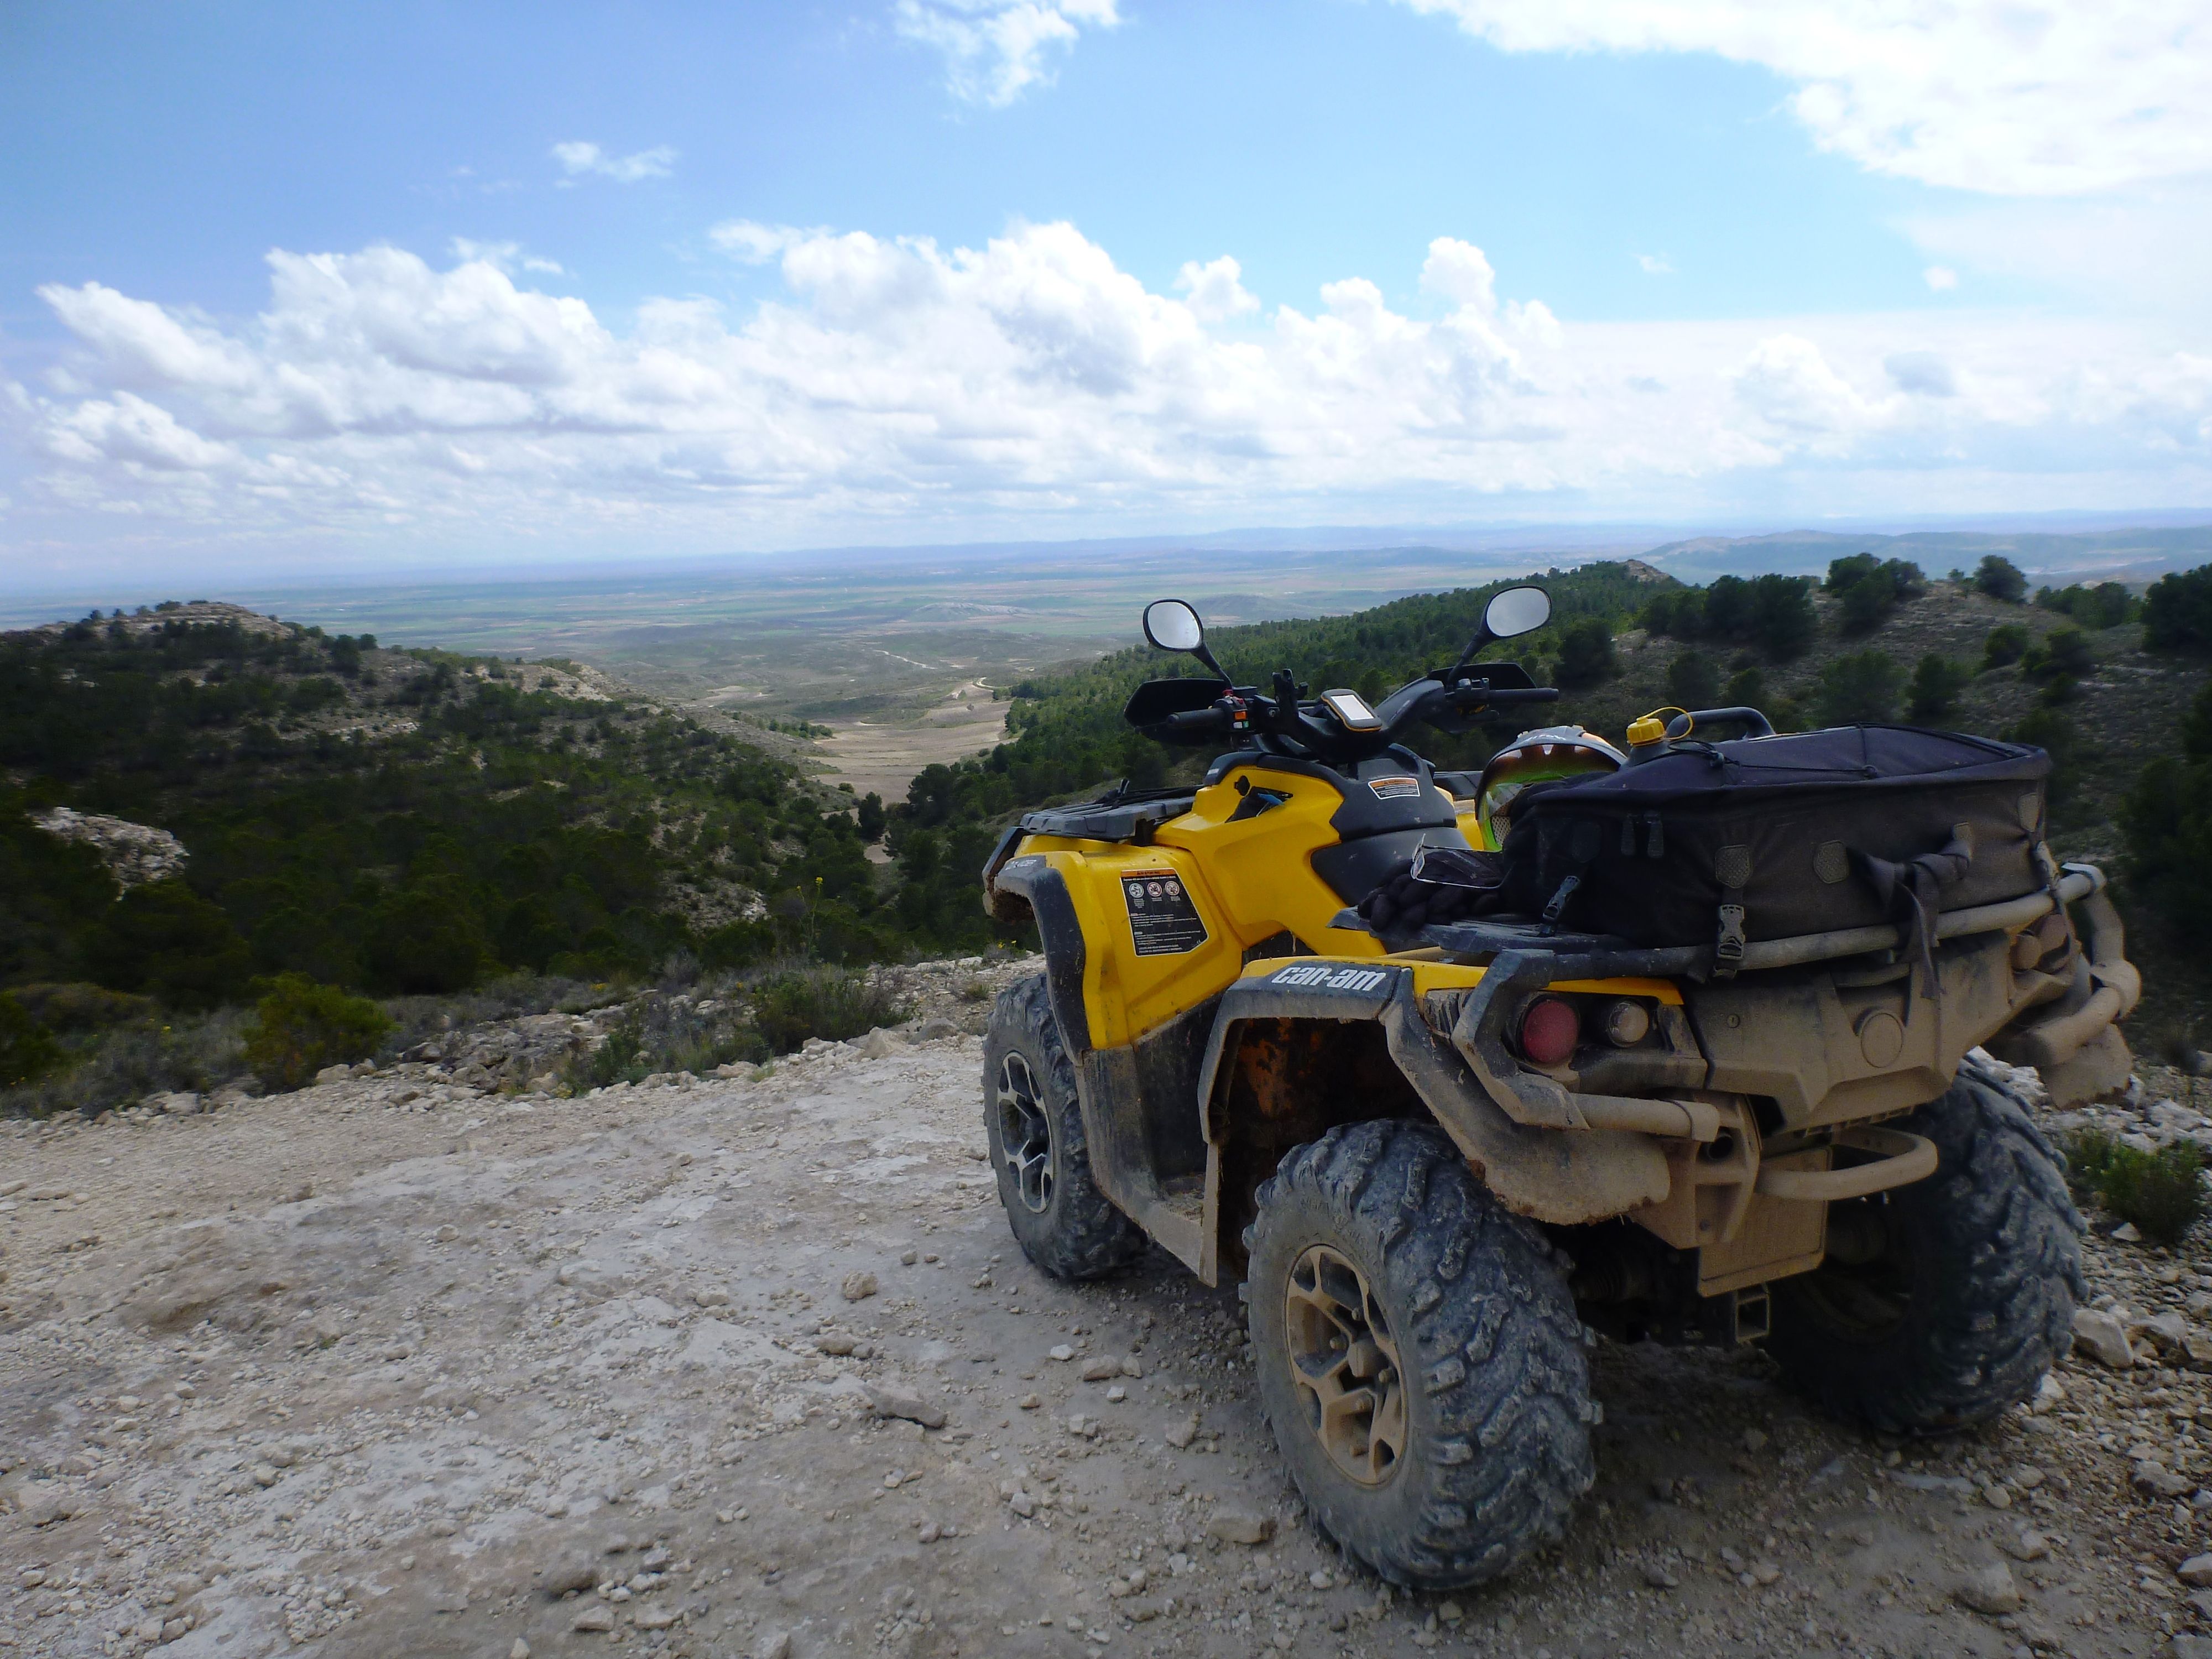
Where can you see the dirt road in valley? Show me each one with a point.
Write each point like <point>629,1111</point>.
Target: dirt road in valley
<point>883,758</point>
<point>389,1366</point>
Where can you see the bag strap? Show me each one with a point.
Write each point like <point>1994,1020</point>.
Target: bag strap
<point>1913,891</point>
<point>1732,869</point>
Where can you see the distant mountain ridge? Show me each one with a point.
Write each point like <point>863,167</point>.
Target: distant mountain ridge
<point>2138,554</point>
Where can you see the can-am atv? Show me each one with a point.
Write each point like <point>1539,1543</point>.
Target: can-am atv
<point>1688,1056</point>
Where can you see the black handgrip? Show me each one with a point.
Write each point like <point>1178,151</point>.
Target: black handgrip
<point>1193,722</point>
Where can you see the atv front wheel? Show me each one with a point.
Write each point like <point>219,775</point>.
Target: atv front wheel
<point>1034,1119</point>
<point>1969,1296</point>
<point>1419,1356</point>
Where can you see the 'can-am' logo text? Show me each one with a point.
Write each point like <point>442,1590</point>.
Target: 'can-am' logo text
<point>1326,977</point>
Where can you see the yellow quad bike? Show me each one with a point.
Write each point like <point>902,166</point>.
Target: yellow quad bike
<point>1436,1160</point>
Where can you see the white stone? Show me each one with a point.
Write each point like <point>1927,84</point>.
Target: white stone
<point>2105,1336</point>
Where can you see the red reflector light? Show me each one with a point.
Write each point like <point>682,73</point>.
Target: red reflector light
<point>1549,1030</point>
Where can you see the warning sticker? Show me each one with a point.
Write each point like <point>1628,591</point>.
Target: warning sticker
<point>1394,788</point>
<point>1163,920</point>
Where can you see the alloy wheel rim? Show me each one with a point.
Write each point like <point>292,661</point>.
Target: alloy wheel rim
<point>1024,1134</point>
<point>1344,1363</point>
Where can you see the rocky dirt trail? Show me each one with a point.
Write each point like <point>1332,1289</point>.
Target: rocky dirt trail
<point>752,1366</point>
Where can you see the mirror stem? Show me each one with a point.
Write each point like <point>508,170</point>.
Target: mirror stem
<point>1482,636</point>
<point>1206,657</point>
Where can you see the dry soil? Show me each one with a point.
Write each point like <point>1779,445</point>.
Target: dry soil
<point>389,1366</point>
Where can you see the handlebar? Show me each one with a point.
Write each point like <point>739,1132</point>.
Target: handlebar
<point>1196,722</point>
<point>1522,693</point>
<point>1317,726</point>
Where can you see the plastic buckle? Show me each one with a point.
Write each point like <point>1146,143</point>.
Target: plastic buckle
<point>1559,904</point>
<point>1728,949</point>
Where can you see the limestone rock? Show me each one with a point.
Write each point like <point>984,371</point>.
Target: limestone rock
<point>2104,1336</point>
<point>134,852</point>
<point>888,1402</point>
<point>858,1287</point>
<point>1233,1524</point>
<point>1990,1590</point>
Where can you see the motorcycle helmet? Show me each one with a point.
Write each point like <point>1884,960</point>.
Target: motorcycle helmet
<point>1537,757</point>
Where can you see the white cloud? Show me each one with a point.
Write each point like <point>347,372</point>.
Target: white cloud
<point>1924,373</point>
<point>996,50</point>
<point>1215,291</point>
<point>895,387</point>
<point>755,244</point>
<point>1655,265</point>
<point>1788,383</point>
<point>2009,97</point>
<point>1940,278</point>
<point>2148,248</point>
<point>507,255</point>
<point>580,160</point>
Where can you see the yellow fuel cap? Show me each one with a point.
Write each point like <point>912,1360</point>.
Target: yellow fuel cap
<point>1651,728</point>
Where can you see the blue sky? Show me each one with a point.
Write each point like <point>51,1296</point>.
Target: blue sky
<point>346,286</point>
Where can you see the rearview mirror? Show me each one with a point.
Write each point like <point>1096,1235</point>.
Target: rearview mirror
<point>1517,610</point>
<point>1174,626</point>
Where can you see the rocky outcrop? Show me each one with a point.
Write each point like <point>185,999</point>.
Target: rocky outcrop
<point>134,852</point>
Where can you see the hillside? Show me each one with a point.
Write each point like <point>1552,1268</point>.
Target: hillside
<point>195,799</point>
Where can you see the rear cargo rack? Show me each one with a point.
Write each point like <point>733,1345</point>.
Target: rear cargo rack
<point>1598,955</point>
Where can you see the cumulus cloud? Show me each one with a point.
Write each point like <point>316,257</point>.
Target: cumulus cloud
<point>1215,291</point>
<point>995,51</point>
<point>1922,372</point>
<point>1788,383</point>
<point>1940,279</point>
<point>507,255</point>
<point>891,385</point>
<point>580,160</point>
<point>2010,97</point>
<point>1655,265</point>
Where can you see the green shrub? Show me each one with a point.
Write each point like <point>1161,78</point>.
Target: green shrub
<point>1782,620</point>
<point>2065,654</point>
<point>2007,644</point>
<point>2058,737</point>
<point>167,941</point>
<point>81,1006</point>
<point>27,1050</point>
<point>2162,1193</point>
<point>302,1027</point>
<point>1858,689</point>
<point>1586,653</point>
<point>119,1065</point>
<point>1746,688</point>
<point>871,819</point>
<point>819,1002</point>
<point>1871,588</point>
<point>2001,578</point>
<point>660,1034</point>
<point>2108,604</point>
<point>1692,680</point>
<point>2177,612</point>
<point>1933,690</point>
<point>2168,821</point>
<point>2088,1154</point>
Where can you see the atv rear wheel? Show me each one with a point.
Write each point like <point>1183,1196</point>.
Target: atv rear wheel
<point>1034,1120</point>
<point>1419,1356</point>
<point>1971,1298</point>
